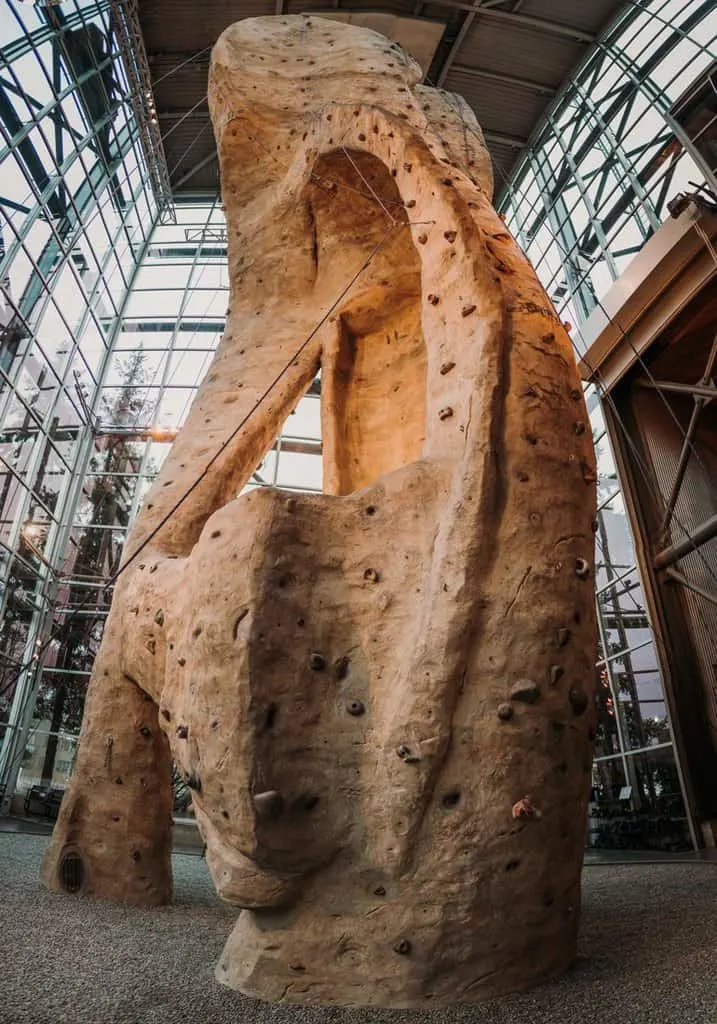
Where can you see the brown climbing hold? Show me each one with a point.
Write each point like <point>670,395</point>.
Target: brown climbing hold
<point>445,413</point>
<point>579,427</point>
<point>371,575</point>
<point>406,754</point>
<point>380,890</point>
<point>159,618</point>
<point>578,700</point>
<point>446,368</point>
<point>588,472</point>
<point>525,809</point>
<point>166,715</point>
<point>355,708</point>
<point>402,947</point>
<point>408,167</point>
<point>467,310</point>
<point>268,805</point>
<point>146,731</point>
<point>563,637</point>
<point>556,673</point>
<point>505,712</point>
<point>447,182</point>
<point>317,661</point>
<point>422,238</point>
<point>450,236</point>
<point>151,646</point>
<point>410,204</point>
<point>582,569</point>
<point>291,504</point>
<point>341,668</point>
<point>182,732</point>
<point>525,691</point>
<point>433,299</point>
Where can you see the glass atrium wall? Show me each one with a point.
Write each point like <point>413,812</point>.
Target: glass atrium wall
<point>635,126</point>
<point>103,349</point>
<point>75,218</point>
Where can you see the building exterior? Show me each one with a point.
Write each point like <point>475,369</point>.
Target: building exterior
<point>113,295</point>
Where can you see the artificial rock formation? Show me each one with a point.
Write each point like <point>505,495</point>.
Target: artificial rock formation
<point>381,696</point>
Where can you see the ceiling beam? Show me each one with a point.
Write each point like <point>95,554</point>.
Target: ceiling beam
<point>193,170</point>
<point>494,76</point>
<point>528,20</point>
<point>514,141</point>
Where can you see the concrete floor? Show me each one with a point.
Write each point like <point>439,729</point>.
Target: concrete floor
<point>648,953</point>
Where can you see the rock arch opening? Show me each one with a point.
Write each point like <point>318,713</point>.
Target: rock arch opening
<point>373,364</point>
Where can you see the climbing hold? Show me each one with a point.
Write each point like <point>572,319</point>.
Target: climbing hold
<point>467,310</point>
<point>579,427</point>
<point>446,368</point>
<point>563,637</point>
<point>525,809</point>
<point>422,239</point>
<point>410,204</point>
<point>433,299</point>
<point>406,754</point>
<point>341,668</point>
<point>578,700</point>
<point>166,715</point>
<point>268,805</point>
<point>588,472</point>
<point>380,890</point>
<point>402,947</point>
<point>582,569</point>
<point>504,712</point>
<point>291,504</point>
<point>371,575</point>
<point>451,799</point>
<point>181,662</point>
<point>355,708</point>
<point>450,236</point>
<point>317,661</point>
<point>447,182</point>
<point>146,731</point>
<point>523,477</point>
<point>151,646</point>
<point>159,618</point>
<point>182,732</point>
<point>556,673</point>
<point>525,691</point>
<point>445,413</point>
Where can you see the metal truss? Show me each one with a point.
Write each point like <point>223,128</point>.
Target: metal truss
<point>130,43</point>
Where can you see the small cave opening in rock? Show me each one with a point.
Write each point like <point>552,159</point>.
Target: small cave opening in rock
<point>72,872</point>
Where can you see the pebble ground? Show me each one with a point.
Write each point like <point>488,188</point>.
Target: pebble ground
<point>648,953</point>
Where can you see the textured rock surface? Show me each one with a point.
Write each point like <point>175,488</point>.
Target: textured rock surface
<point>381,696</point>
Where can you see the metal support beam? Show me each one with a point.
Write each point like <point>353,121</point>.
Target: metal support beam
<point>700,390</point>
<point>699,536</point>
<point>505,140</point>
<point>542,24</point>
<point>502,79</point>
<point>193,170</point>
<point>687,443</point>
<point>700,591</point>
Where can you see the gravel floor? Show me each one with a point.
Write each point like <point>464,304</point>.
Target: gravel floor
<point>648,954</point>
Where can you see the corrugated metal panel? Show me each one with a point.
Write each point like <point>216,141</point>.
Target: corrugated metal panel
<point>519,50</point>
<point>499,107</point>
<point>590,16</point>
<point>499,45</point>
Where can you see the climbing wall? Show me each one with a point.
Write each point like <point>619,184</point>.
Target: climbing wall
<point>381,696</point>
